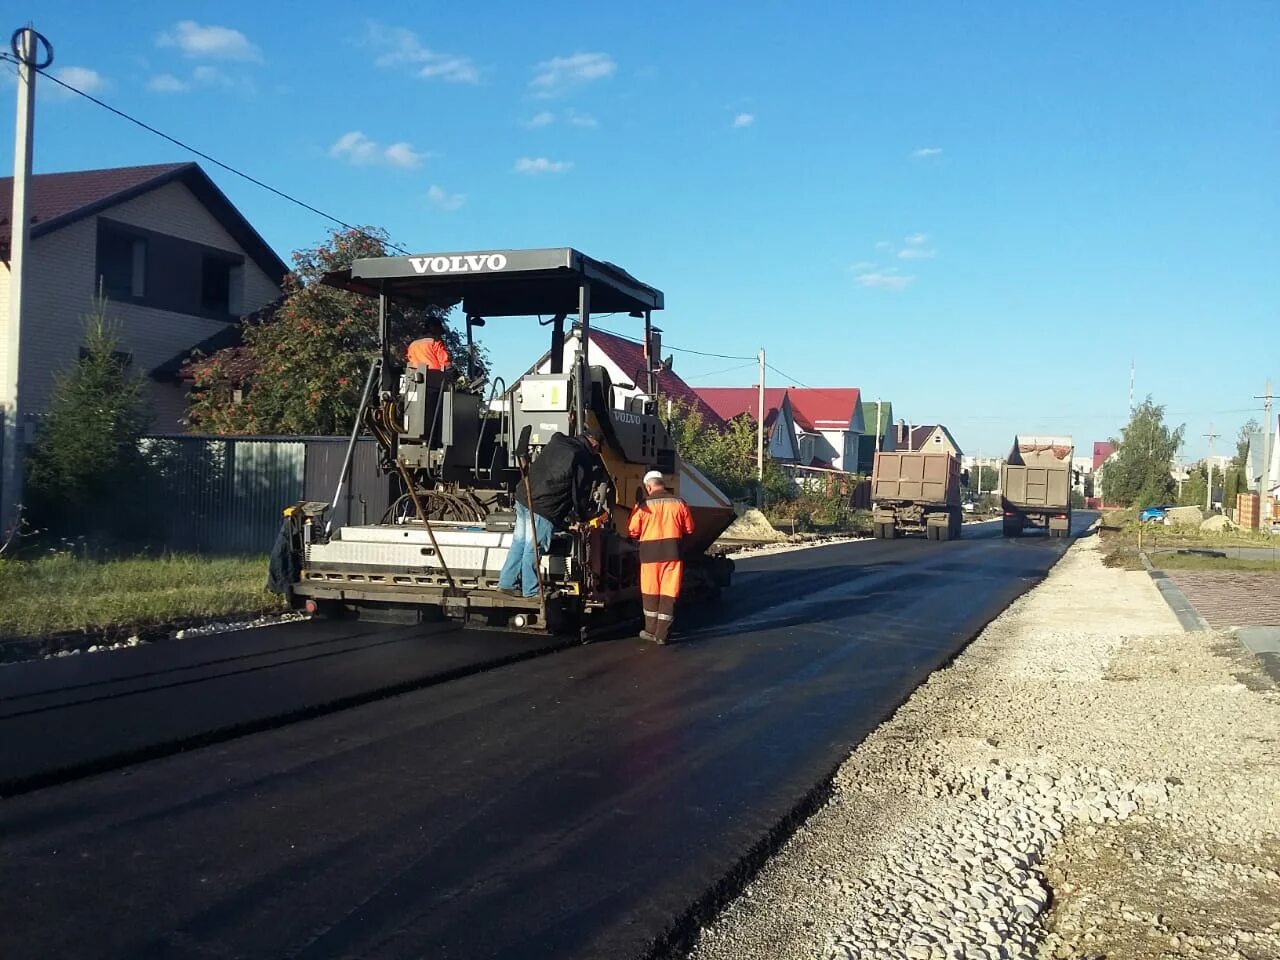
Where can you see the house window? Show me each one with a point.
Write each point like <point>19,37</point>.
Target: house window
<point>215,284</point>
<point>122,263</point>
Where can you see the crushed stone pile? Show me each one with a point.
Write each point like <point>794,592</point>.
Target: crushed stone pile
<point>1216,524</point>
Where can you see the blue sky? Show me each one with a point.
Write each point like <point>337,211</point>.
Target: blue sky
<point>980,212</point>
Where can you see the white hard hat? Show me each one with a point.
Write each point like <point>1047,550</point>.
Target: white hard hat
<point>653,476</point>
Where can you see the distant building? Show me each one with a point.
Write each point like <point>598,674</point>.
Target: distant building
<point>935,437</point>
<point>827,421</point>
<point>784,431</point>
<point>177,261</point>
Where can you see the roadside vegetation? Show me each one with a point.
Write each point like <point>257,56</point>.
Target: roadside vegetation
<point>63,593</point>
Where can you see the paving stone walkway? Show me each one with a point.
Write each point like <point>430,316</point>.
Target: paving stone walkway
<point>1232,598</point>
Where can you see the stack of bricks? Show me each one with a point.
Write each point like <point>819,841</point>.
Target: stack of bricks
<point>1247,510</point>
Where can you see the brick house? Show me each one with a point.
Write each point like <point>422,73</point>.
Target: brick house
<point>177,262</point>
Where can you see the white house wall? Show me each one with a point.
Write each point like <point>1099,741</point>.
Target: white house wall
<point>61,284</point>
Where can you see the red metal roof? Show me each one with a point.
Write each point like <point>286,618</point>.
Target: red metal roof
<point>730,402</point>
<point>1101,450</point>
<point>827,408</point>
<point>629,356</point>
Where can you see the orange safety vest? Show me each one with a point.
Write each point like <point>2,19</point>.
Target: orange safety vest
<point>658,524</point>
<point>430,353</point>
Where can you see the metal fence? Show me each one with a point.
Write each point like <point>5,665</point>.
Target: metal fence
<point>226,494</point>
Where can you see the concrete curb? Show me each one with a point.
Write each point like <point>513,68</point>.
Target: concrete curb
<point>1182,608</point>
<point>1264,643</point>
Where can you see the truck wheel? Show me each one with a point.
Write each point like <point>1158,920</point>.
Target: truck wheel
<point>1011,527</point>
<point>957,524</point>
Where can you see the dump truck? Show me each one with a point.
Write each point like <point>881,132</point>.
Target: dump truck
<point>915,492</point>
<point>455,453</point>
<point>1035,485</point>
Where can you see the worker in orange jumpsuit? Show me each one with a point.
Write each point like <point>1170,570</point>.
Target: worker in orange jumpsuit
<point>429,350</point>
<point>659,523</point>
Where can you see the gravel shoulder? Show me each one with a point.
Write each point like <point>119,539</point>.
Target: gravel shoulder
<point>1085,780</point>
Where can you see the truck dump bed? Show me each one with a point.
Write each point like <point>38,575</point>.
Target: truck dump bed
<point>926,478</point>
<point>1038,472</point>
<point>1047,488</point>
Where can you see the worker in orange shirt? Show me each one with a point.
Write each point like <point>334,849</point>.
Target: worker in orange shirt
<point>659,523</point>
<point>429,350</point>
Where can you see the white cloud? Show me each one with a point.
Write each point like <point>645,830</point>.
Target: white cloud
<point>82,78</point>
<point>883,280</point>
<point>916,253</point>
<point>546,118</point>
<point>402,155</point>
<point>559,74</point>
<point>201,42</point>
<point>916,239</point>
<point>927,152</point>
<point>537,165</point>
<point>744,120</point>
<point>441,199</point>
<point>167,83</point>
<point>361,151</point>
<point>883,245</point>
<point>398,47</point>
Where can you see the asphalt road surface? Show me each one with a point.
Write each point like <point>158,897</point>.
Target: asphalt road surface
<point>592,802</point>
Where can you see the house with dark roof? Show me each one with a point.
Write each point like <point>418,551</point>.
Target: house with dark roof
<point>177,261</point>
<point>826,422</point>
<point>933,437</point>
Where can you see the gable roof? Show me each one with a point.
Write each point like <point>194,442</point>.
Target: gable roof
<point>920,436</point>
<point>730,402</point>
<point>629,356</point>
<point>827,408</point>
<point>885,411</point>
<point>57,200</point>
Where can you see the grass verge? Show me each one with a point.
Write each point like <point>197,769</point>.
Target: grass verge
<point>62,594</point>
<point>1192,561</point>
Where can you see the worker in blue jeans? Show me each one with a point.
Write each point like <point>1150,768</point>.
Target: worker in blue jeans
<point>560,484</point>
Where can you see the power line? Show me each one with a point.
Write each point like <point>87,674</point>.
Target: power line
<point>668,346</point>
<point>715,373</point>
<point>214,160</point>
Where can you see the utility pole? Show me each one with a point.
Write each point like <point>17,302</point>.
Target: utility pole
<point>760,438</point>
<point>1264,485</point>
<point>1208,507</point>
<point>27,44</point>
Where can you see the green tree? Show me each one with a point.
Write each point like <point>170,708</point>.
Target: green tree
<point>727,456</point>
<point>310,357</point>
<point>86,451</point>
<point>990,477</point>
<point>1138,474</point>
<point>1243,439</point>
<point>1195,487</point>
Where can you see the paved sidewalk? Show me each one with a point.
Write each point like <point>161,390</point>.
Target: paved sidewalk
<point>1231,598</point>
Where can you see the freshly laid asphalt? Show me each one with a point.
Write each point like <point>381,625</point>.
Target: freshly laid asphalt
<point>577,804</point>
